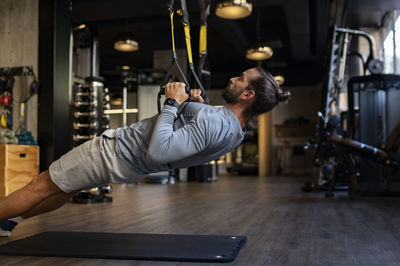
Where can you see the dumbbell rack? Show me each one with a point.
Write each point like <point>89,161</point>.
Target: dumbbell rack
<point>105,120</point>
<point>89,121</point>
<point>85,123</point>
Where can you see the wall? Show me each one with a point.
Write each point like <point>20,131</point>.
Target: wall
<point>305,102</point>
<point>147,100</point>
<point>19,47</point>
<point>215,97</point>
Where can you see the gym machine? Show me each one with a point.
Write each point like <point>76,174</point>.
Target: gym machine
<point>377,97</point>
<point>339,162</point>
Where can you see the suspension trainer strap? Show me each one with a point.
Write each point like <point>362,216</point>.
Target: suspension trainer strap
<point>203,70</point>
<point>186,25</point>
<point>171,15</point>
<point>203,40</point>
<point>174,62</point>
<point>204,13</point>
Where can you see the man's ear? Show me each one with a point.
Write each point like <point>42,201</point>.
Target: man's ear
<point>249,94</point>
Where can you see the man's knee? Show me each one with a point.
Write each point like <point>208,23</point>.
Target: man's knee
<point>43,185</point>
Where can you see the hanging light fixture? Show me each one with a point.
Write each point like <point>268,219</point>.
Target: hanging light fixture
<point>259,50</point>
<point>279,79</point>
<point>233,9</point>
<point>126,43</point>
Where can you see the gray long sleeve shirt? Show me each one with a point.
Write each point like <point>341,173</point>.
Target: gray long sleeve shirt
<point>201,134</point>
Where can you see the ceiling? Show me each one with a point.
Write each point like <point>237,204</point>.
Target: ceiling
<point>297,30</point>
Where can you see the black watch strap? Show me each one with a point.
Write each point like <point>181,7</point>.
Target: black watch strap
<point>172,102</point>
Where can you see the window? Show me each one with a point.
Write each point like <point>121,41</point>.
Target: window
<point>397,44</point>
<point>388,53</point>
<point>391,49</point>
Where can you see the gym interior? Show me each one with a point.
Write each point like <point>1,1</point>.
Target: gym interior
<point>315,181</point>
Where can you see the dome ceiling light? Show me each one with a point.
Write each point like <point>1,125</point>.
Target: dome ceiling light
<point>233,9</point>
<point>259,50</point>
<point>279,79</point>
<point>126,43</point>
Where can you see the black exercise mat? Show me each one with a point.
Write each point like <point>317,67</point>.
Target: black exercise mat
<point>199,248</point>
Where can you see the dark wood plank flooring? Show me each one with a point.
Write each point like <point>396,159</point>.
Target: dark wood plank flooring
<point>284,226</point>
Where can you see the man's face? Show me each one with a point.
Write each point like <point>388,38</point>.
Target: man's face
<point>237,85</point>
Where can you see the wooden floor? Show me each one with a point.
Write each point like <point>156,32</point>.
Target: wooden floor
<point>284,226</point>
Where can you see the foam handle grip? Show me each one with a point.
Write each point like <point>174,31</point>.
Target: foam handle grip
<point>187,90</point>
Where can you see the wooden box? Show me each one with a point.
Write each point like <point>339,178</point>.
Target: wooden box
<point>18,165</point>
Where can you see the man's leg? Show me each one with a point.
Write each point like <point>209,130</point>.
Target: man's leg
<point>52,203</point>
<point>49,204</point>
<point>23,200</point>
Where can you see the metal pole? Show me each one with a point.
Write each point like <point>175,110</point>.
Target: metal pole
<point>369,37</point>
<point>394,49</point>
<point>124,101</point>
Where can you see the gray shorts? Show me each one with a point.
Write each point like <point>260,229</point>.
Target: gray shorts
<point>92,164</point>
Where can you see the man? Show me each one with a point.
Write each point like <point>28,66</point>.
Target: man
<point>184,134</point>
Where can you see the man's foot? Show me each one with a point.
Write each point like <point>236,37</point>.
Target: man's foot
<point>6,226</point>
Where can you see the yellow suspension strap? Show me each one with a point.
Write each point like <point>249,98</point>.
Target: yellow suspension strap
<point>186,25</point>
<point>174,62</point>
<point>202,67</point>
<point>171,15</point>
<point>203,40</point>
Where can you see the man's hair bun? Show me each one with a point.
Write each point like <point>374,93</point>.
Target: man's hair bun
<point>283,96</point>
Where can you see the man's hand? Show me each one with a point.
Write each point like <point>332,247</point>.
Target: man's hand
<point>176,90</point>
<point>196,96</point>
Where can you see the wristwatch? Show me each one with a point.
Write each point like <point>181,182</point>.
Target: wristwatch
<point>172,102</point>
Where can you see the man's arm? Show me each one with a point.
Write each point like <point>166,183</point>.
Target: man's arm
<point>167,145</point>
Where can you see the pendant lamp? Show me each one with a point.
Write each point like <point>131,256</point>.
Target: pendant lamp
<point>259,50</point>
<point>126,43</point>
<point>233,9</point>
<point>279,79</point>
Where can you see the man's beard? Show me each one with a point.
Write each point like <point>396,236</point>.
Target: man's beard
<point>230,96</point>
